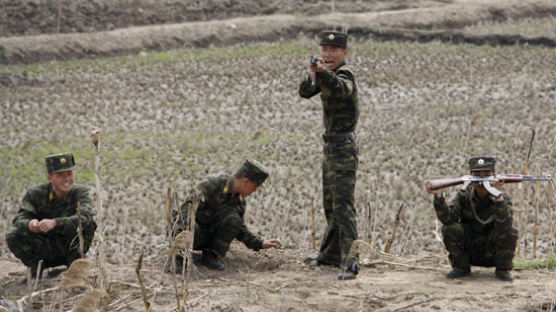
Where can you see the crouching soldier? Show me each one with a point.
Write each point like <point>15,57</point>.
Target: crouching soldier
<point>477,228</point>
<point>46,226</point>
<point>219,217</point>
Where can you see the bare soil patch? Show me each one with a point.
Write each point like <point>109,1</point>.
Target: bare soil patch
<point>278,280</point>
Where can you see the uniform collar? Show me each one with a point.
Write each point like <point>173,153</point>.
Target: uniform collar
<point>52,194</point>
<point>229,187</point>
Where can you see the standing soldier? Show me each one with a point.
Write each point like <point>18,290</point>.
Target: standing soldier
<point>335,81</point>
<point>219,217</point>
<point>477,228</point>
<point>45,228</point>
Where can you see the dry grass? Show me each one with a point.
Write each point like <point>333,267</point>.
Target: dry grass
<point>88,302</point>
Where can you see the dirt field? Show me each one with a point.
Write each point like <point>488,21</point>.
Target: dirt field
<point>388,20</point>
<point>182,114</point>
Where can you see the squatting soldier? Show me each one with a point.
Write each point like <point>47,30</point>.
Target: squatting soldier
<point>335,82</point>
<point>219,217</point>
<point>477,228</point>
<point>46,226</point>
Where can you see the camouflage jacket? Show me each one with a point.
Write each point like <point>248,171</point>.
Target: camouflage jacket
<point>460,210</point>
<point>340,101</point>
<point>40,202</point>
<point>216,197</point>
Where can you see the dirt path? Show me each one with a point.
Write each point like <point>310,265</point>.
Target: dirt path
<point>277,280</point>
<point>265,28</point>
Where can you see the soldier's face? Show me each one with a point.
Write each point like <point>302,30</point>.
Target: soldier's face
<point>333,56</point>
<point>62,181</point>
<point>247,187</point>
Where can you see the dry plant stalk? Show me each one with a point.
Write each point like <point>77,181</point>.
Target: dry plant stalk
<point>87,303</point>
<point>143,290</point>
<point>369,219</point>
<point>523,197</point>
<point>187,263</point>
<point>80,231</point>
<point>536,227</point>
<point>313,224</point>
<point>76,275</point>
<point>472,123</point>
<point>95,139</point>
<point>39,268</point>
<point>396,224</point>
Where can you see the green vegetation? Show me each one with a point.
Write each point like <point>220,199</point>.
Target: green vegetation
<point>2,48</point>
<point>535,264</point>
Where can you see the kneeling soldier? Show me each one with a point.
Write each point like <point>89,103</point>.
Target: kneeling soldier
<point>219,217</point>
<point>477,228</point>
<point>45,228</point>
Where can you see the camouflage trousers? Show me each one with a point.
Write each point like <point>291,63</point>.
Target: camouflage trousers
<point>491,249</point>
<point>54,248</point>
<point>214,235</point>
<point>338,185</point>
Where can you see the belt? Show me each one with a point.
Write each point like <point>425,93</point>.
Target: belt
<point>339,137</point>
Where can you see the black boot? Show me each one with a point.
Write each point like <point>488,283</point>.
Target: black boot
<point>457,273</point>
<point>504,275</point>
<point>210,260</point>
<point>310,259</point>
<point>351,272</point>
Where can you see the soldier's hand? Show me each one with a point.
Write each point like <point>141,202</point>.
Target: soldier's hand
<point>33,226</point>
<point>46,225</point>
<point>269,243</point>
<point>497,184</point>
<point>318,68</point>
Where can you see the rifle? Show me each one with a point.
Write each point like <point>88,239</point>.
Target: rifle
<point>466,180</point>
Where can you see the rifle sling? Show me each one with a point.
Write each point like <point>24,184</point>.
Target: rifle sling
<point>488,220</point>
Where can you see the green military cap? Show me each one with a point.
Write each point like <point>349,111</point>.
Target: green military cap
<point>481,163</point>
<point>254,171</point>
<point>59,162</point>
<point>334,38</point>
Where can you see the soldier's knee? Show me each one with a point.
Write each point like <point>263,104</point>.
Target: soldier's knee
<point>508,240</point>
<point>12,239</point>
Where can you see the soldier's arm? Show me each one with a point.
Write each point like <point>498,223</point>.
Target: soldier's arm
<point>503,213</point>
<point>250,240</point>
<point>26,213</point>
<point>448,213</point>
<point>306,89</point>
<point>80,195</point>
<point>340,84</point>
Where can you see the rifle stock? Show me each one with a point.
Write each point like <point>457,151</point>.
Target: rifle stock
<point>437,184</point>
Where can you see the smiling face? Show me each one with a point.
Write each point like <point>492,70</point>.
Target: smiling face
<point>333,56</point>
<point>62,182</point>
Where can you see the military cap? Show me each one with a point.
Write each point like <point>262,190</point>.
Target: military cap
<point>334,38</point>
<point>481,163</point>
<point>254,171</point>
<point>59,162</point>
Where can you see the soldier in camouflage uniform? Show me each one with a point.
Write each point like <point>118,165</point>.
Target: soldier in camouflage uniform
<point>477,228</point>
<point>45,228</point>
<point>219,217</point>
<point>335,82</point>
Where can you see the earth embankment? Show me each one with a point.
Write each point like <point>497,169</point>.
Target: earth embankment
<point>421,24</point>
